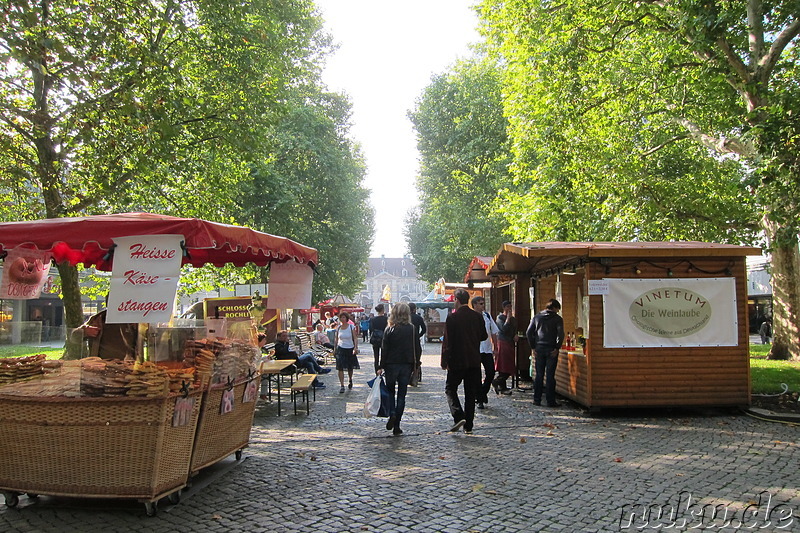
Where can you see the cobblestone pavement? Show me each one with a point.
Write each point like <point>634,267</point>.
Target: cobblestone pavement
<point>524,469</point>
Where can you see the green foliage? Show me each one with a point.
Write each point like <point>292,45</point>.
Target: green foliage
<point>461,136</point>
<point>604,101</point>
<point>311,190</point>
<point>181,108</point>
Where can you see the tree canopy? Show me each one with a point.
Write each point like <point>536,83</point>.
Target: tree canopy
<point>164,106</point>
<point>464,149</point>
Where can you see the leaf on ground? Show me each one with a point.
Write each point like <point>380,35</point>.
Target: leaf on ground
<point>477,486</point>
<point>216,517</point>
<point>490,492</point>
<point>618,459</point>
<point>523,440</point>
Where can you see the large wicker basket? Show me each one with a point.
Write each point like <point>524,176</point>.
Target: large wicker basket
<point>94,447</point>
<point>221,434</point>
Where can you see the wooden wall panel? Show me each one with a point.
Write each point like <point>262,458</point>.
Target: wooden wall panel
<point>656,377</point>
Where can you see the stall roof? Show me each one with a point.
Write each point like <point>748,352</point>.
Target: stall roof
<point>515,257</point>
<point>89,239</point>
<point>477,269</point>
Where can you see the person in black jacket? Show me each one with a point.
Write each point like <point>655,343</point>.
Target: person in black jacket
<point>397,361</point>
<point>420,329</point>
<point>546,335</point>
<point>464,330</point>
<point>376,326</point>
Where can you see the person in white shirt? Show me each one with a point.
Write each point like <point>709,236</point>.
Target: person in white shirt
<point>488,348</point>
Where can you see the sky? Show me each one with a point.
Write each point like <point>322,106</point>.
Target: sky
<point>388,52</point>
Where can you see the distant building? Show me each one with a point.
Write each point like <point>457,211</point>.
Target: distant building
<point>759,291</point>
<point>399,273</point>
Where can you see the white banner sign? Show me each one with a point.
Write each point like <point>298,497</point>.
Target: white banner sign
<point>144,279</point>
<point>290,286</point>
<point>670,312</point>
<point>25,271</point>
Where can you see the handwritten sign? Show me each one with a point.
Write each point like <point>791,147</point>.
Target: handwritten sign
<point>144,278</point>
<point>598,286</point>
<point>25,272</point>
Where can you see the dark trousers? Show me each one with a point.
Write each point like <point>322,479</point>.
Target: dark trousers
<point>472,384</point>
<point>487,360</point>
<point>376,352</point>
<point>546,359</point>
<point>399,375</point>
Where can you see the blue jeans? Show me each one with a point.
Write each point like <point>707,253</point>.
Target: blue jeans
<point>399,374</point>
<point>309,362</point>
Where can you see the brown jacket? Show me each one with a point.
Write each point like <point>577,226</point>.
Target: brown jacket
<point>463,332</point>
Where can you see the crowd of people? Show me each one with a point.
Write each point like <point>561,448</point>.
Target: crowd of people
<point>478,353</point>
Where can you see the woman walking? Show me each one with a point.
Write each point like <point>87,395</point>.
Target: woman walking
<point>346,349</point>
<point>397,362</point>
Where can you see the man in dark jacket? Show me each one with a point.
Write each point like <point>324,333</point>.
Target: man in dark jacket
<point>546,335</point>
<point>461,357</point>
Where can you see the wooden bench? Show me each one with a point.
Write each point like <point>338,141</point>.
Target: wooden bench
<point>301,386</point>
<point>306,342</point>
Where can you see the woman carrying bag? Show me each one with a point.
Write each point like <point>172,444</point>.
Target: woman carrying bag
<point>397,362</point>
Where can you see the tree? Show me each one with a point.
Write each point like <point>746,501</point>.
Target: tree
<point>651,119</point>
<point>461,136</point>
<point>311,189</point>
<point>156,104</point>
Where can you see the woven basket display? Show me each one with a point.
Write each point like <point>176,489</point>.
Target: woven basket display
<point>94,447</point>
<point>219,435</point>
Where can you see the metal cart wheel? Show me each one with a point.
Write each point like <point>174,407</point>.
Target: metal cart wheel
<point>238,455</point>
<point>12,499</point>
<point>174,497</point>
<point>151,508</point>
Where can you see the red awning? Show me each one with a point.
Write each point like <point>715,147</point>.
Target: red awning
<point>88,239</point>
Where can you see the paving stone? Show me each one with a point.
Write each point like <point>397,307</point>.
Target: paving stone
<point>524,469</point>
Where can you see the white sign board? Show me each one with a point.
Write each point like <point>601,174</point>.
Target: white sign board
<point>144,279</point>
<point>670,312</point>
<point>290,286</point>
<point>598,286</point>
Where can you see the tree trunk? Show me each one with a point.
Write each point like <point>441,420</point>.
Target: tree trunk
<point>73,308</point>
<point>785,296</point>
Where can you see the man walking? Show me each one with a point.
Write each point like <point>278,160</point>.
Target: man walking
<point>487,350</point>
<point>464,330</point>
<point>545,335</point>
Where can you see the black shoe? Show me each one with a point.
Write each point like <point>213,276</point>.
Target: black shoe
<point>537,402</point>
<point>397,431</point>
<point>505,392</point>
<point>390,422</point>
<point>468,431</point>
<point>481,406</point>
<point>554,404</point>
<point>458,425</point>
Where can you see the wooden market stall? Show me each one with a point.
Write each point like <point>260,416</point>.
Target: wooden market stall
<point>655,323</point>
<point>109,428</point>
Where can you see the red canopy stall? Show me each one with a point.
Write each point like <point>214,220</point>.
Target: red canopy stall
<point>148,426</point>
<point>89,240</point>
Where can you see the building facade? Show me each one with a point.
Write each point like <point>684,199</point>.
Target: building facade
<point>399,274</point>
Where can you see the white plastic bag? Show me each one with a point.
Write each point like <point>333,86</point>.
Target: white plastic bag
<point>373,403</point>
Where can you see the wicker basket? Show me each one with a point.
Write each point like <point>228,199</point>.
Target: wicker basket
<point>94,447</point>
<point>219,435</point>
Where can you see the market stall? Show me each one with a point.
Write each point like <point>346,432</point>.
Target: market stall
<point>111,428</point>
<point>648,324</point>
